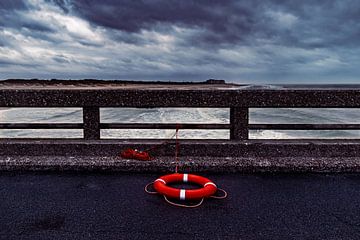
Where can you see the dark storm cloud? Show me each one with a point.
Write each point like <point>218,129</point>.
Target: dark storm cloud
<point>226,20</point>
<point>319,23</point>
<point>131,16</point>
<point>316,24</point>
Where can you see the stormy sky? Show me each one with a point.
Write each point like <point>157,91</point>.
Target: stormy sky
<point>257,41</point>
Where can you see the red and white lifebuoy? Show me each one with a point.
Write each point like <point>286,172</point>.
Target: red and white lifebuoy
<point>209,188</point>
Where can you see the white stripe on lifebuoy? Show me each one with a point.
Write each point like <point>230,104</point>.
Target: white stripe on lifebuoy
<point>161,180</point>
<point>182,194</point>
<point>210,183</point>
<point>185,177</point>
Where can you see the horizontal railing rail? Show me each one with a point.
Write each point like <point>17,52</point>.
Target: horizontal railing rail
<point>162,126</point>
<point>41,125</point>
<point>304,126</point>
<point>312,98</point>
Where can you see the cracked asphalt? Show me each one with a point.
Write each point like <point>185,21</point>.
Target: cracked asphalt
<point>115,206</point>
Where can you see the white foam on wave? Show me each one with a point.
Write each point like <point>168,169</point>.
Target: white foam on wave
<point>165,115</point>
<point>304,115</point>
<point>267,134</point>
<point>304,134</point>
<point>41,133</point>
<point>163,134</point>
<point>41,115</point>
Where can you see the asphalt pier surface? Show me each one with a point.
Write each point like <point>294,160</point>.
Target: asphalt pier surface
<point>115,206</point>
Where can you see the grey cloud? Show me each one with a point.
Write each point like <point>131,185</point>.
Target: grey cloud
<point>4,62</point>
<point>321,23</point>
<point>63,4</point>
<point>3,41</point>
<point>17,20</point>
<point>61,59</point>
<point>12,4</point>
<point>36,26</point>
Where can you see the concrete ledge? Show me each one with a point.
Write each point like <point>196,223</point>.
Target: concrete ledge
<point>190,164</point>
<point>201,148</point>
<point>196,156</point>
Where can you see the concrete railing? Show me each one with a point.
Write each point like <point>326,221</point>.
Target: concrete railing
<point>239,99</point>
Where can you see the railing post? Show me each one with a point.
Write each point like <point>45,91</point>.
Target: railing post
<point>91,118</point>
<point>239,122</point>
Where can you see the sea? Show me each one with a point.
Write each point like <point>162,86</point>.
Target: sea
<point>182,115</point>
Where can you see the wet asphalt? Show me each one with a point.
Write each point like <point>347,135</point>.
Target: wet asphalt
<point>115,206</point>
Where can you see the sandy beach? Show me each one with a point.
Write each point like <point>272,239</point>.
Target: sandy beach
<point>112,84</point>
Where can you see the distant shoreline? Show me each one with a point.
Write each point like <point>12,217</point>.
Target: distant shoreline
<point>35,84</point>
<point>73,83</point>
<point>99,81</point>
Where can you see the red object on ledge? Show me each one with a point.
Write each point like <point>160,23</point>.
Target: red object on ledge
<point>135,154</point>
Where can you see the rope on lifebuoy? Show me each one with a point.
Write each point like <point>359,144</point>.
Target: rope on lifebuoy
<point>220,197</point>
<point>150,192</point>
<point>177,147</point>
<point>183,205</point>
